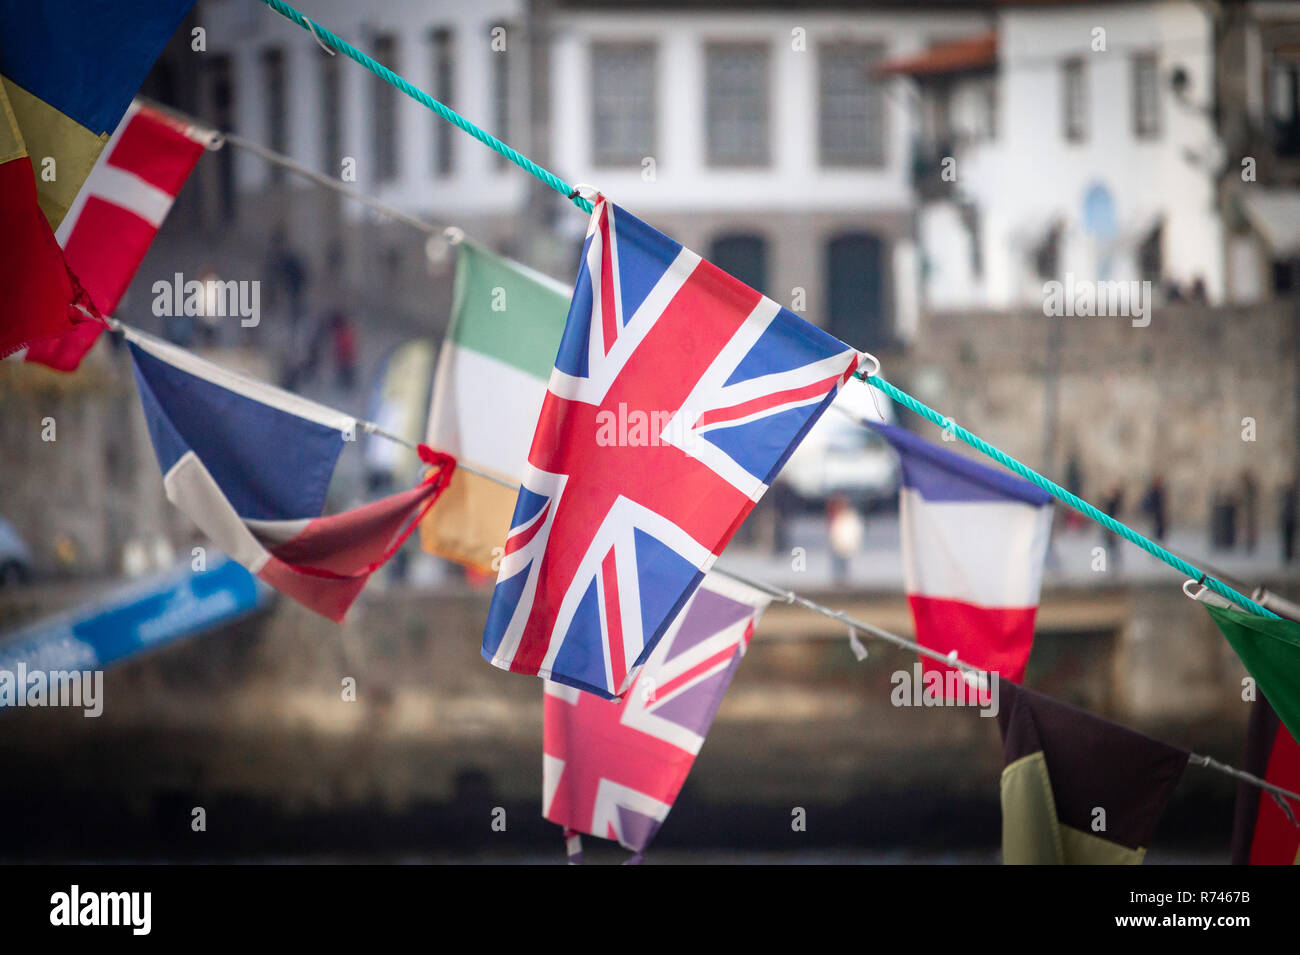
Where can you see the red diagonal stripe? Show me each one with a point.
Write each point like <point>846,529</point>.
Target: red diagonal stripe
<point>746,408</point>
<point>520,540</point>
<point>682,678</point>
<point>608,316</point>
<point>613,621</point>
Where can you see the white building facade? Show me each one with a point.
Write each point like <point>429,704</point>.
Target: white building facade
<point>762,140</point>
<point>1087,149</point>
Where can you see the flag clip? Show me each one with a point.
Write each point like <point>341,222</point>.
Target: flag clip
<point>1204,594</point>
<point>319,42</point>
<point>588,192</point>
<point>856,645</point>
<point>875,365</point>
<point>1286,809</point>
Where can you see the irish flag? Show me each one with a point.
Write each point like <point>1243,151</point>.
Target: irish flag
<point>506,323</point>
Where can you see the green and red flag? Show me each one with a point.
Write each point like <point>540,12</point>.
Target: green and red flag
<point>1265,831</point>
<point>1270,649</point>
<point>1077,789</point>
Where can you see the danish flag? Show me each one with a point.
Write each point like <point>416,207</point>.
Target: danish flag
<point>614,771</point>
<point>116,215</point>
<point>615,527</point>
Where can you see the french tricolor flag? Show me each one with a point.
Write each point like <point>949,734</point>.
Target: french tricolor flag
<point>251,464</point>
<point>974,542</point>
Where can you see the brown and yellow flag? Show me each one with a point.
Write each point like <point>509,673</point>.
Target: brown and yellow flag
<point>1076,789</point>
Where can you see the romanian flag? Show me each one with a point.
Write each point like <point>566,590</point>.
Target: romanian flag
<point>1077,789</point>
<point>68,70</point>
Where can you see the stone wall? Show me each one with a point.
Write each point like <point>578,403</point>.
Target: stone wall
<point>1168,399</point>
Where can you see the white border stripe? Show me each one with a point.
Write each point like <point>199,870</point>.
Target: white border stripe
<point>240,384</point>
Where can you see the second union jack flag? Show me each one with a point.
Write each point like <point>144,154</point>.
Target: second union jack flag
<point>614,770</point>
<point>677,394</point>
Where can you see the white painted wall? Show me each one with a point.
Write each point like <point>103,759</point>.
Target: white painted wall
<point>245,28</point>
<point>1030,174</point>
<point>795,179</point>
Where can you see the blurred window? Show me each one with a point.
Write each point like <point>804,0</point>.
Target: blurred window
<point>855,273</point>
<point>276,117</point>
<point>736,112</point>
<point>852,116</point>
<point>499,33</point>
<point>331,105</point>
<point>743,255</point>
<point>384,111</point>
<point>1284,103</point>
<point>444,85</point>
<point>1074,101</point>
<point>623,106</point>
<point>989,99</point>
<point>1146,96</point>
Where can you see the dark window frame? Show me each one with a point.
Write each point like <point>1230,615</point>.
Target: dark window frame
<point>875,152</point>
<point>1074,100</point>
<point>715,156</point>
<point>602,153</point>
<point>1147,118</point>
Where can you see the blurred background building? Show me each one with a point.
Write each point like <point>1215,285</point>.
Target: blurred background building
<point>908,175</point>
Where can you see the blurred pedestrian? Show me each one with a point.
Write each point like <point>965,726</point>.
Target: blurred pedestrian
<point>1113,504</point>
<point>1074,484</point>
<point>288,272</point>
<point>846,533</point>
<point>1153,505</point>
<point>784,507</point>
<point>344,339</point>
<point>1249,510</point>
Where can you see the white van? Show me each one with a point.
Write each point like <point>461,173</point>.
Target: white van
<point>841,457</point>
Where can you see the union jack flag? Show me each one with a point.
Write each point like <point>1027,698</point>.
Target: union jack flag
<point>614,771</point>
<point>677,394</point>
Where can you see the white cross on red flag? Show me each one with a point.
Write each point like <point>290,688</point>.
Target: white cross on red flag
<point>116,215</point>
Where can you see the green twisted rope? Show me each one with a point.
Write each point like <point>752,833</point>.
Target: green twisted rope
<point>1061,494</point>
<point>902,397</point>
<point>424,99</point>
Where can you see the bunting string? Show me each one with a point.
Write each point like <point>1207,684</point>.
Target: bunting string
<point>791,597</point>
<point>1061,494</point>
<point>222,138</point>
<point>328,39</point>
<point>133,334</point>
<point>852,624</point>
